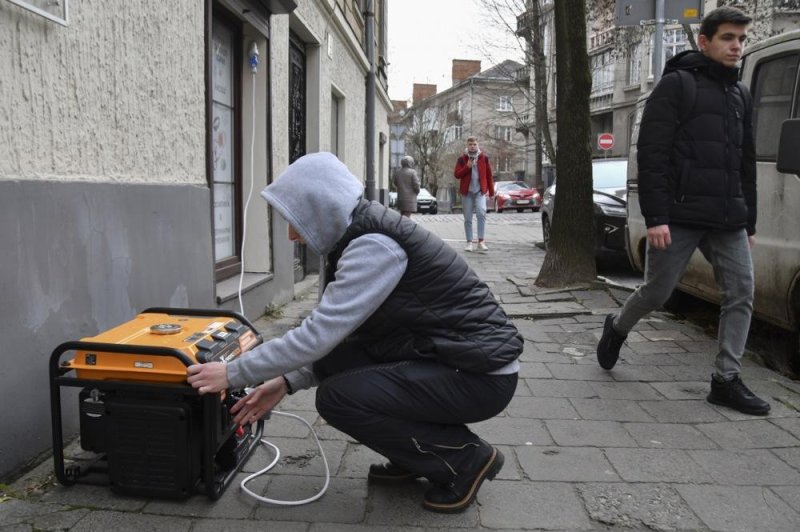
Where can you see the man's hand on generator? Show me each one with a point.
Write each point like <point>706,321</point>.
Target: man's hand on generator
<point>208,378</point>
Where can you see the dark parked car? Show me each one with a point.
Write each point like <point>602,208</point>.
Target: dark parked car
<point>610,206</point>
<point>515,195</point>
<point>426,203</point>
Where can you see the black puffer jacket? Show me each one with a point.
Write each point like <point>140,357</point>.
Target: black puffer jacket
<point>439,310</point>
<point>700,172</point>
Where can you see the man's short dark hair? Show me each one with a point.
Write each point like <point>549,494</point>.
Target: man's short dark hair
<point>722,15</point>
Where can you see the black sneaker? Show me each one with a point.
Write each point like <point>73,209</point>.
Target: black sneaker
<point>459,494</point>
<point>734,394</point>
<point>389,474</point>
<point>610,344</point>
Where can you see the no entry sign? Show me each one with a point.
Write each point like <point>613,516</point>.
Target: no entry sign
<point>605,141</point>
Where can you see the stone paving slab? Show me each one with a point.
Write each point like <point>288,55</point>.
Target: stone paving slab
<point>566,464</point>
<point>740,508</point>
<point>651,506</point>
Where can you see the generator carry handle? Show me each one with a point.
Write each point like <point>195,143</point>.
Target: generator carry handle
<point>177,311</point>
<point>57,379</point>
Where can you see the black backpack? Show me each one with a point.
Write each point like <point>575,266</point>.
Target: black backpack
<point>689,94</point>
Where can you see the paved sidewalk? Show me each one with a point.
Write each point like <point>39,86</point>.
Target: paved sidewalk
<point>634,448</point>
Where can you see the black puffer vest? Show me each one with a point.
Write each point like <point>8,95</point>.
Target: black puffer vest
<point>694,171</point>
<point>439,310</point>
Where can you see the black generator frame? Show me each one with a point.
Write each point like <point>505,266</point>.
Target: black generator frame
<point>214,484</point>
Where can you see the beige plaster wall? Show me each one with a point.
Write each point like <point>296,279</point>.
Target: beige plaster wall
<point>117,96</point>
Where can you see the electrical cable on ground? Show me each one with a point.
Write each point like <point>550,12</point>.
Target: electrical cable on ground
<point>275,461</point>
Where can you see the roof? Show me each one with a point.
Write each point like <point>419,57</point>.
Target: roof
<point>505,70</point>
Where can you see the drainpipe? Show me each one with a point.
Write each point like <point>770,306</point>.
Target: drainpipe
<point>369,35</point>
<point>658,40</point>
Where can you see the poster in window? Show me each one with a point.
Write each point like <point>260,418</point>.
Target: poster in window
<point>223,221</point>
<point>222,65</point>
<point>221,143</point>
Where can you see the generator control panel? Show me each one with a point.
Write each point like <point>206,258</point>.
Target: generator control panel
<point>200,339</point>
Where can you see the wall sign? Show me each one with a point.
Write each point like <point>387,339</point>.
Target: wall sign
<point>55,10</point>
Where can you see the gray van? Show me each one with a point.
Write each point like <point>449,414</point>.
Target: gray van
<point>770,70</point>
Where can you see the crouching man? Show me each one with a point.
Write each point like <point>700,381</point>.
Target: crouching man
<point>406,346</point>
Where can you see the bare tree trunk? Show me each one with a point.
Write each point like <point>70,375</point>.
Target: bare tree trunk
<point>544,139</point>
<point>539,94</point>
<point>570,255</point>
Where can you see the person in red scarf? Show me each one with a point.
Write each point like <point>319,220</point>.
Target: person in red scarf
<point>477,183</point>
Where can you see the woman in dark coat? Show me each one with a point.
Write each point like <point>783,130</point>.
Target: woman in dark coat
<point>407,184</point>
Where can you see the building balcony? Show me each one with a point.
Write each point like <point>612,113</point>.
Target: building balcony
<point>523,126</point>
<point>523,76</point>
<point>600,101</point>
<point>599,39</point>
<point>788,7</point>
<point>524,23</point>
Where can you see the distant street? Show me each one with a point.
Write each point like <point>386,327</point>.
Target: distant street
<point>523,229</point>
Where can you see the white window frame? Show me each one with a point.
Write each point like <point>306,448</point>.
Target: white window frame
<point>505,133</point>
<point>602,67</point>
<point>634,74</point>
<point>671,46</point>
<point>504,104</point>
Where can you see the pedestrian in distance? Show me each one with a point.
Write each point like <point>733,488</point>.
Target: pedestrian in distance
<point>407,184</point>
<point>407,345</point>
<point>697,189</point>
<point>474,172</point>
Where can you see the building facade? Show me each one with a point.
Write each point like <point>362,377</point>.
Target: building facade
<point>487,104</point>
<point>621,58</point>
<point>137,137</point>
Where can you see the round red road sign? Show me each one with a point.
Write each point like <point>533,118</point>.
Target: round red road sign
<point>605,141</point>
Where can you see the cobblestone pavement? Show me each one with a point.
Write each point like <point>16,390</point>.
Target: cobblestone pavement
<point>586,449</point>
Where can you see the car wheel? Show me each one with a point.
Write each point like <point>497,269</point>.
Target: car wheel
<point>434,210</point>
<point>546,231</point>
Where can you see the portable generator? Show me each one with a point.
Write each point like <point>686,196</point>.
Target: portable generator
<point>143,429</point>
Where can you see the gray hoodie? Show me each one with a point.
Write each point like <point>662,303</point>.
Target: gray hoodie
<point>317,195</point>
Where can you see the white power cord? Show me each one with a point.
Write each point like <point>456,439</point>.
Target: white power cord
<point>275,461</point>
<point>253,69</point>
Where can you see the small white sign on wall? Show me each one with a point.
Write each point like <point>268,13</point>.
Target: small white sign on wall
<point>55,10</point>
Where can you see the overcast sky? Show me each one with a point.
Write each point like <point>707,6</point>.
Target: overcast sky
<point>426,35</point>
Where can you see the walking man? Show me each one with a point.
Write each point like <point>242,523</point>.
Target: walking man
<point>475,173</point>
<point>697,189</point>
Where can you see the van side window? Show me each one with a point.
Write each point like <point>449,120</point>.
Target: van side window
<point>772,88</point>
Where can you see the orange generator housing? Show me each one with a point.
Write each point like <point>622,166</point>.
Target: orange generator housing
<point>143,429</point>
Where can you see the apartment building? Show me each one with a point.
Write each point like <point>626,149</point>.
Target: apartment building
<point>622,61</point>
<point>488,104</point>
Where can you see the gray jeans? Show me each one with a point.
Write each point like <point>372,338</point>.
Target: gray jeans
<point>729,255</point>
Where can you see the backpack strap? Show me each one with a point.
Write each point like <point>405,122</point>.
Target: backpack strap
<point>688,95</point>
<point>747,98</point>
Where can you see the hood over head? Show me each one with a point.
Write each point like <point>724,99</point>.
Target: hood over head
<point>316,194</point>
<point>407,162</point>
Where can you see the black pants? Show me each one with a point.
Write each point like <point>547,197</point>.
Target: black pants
<point>412,412</point>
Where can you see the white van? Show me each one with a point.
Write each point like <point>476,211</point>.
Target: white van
<point>770,70</point>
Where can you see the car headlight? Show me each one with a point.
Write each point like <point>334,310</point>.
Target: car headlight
<point>612,210</point>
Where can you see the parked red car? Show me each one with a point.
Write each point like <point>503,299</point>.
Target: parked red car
<point>515,195</point>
